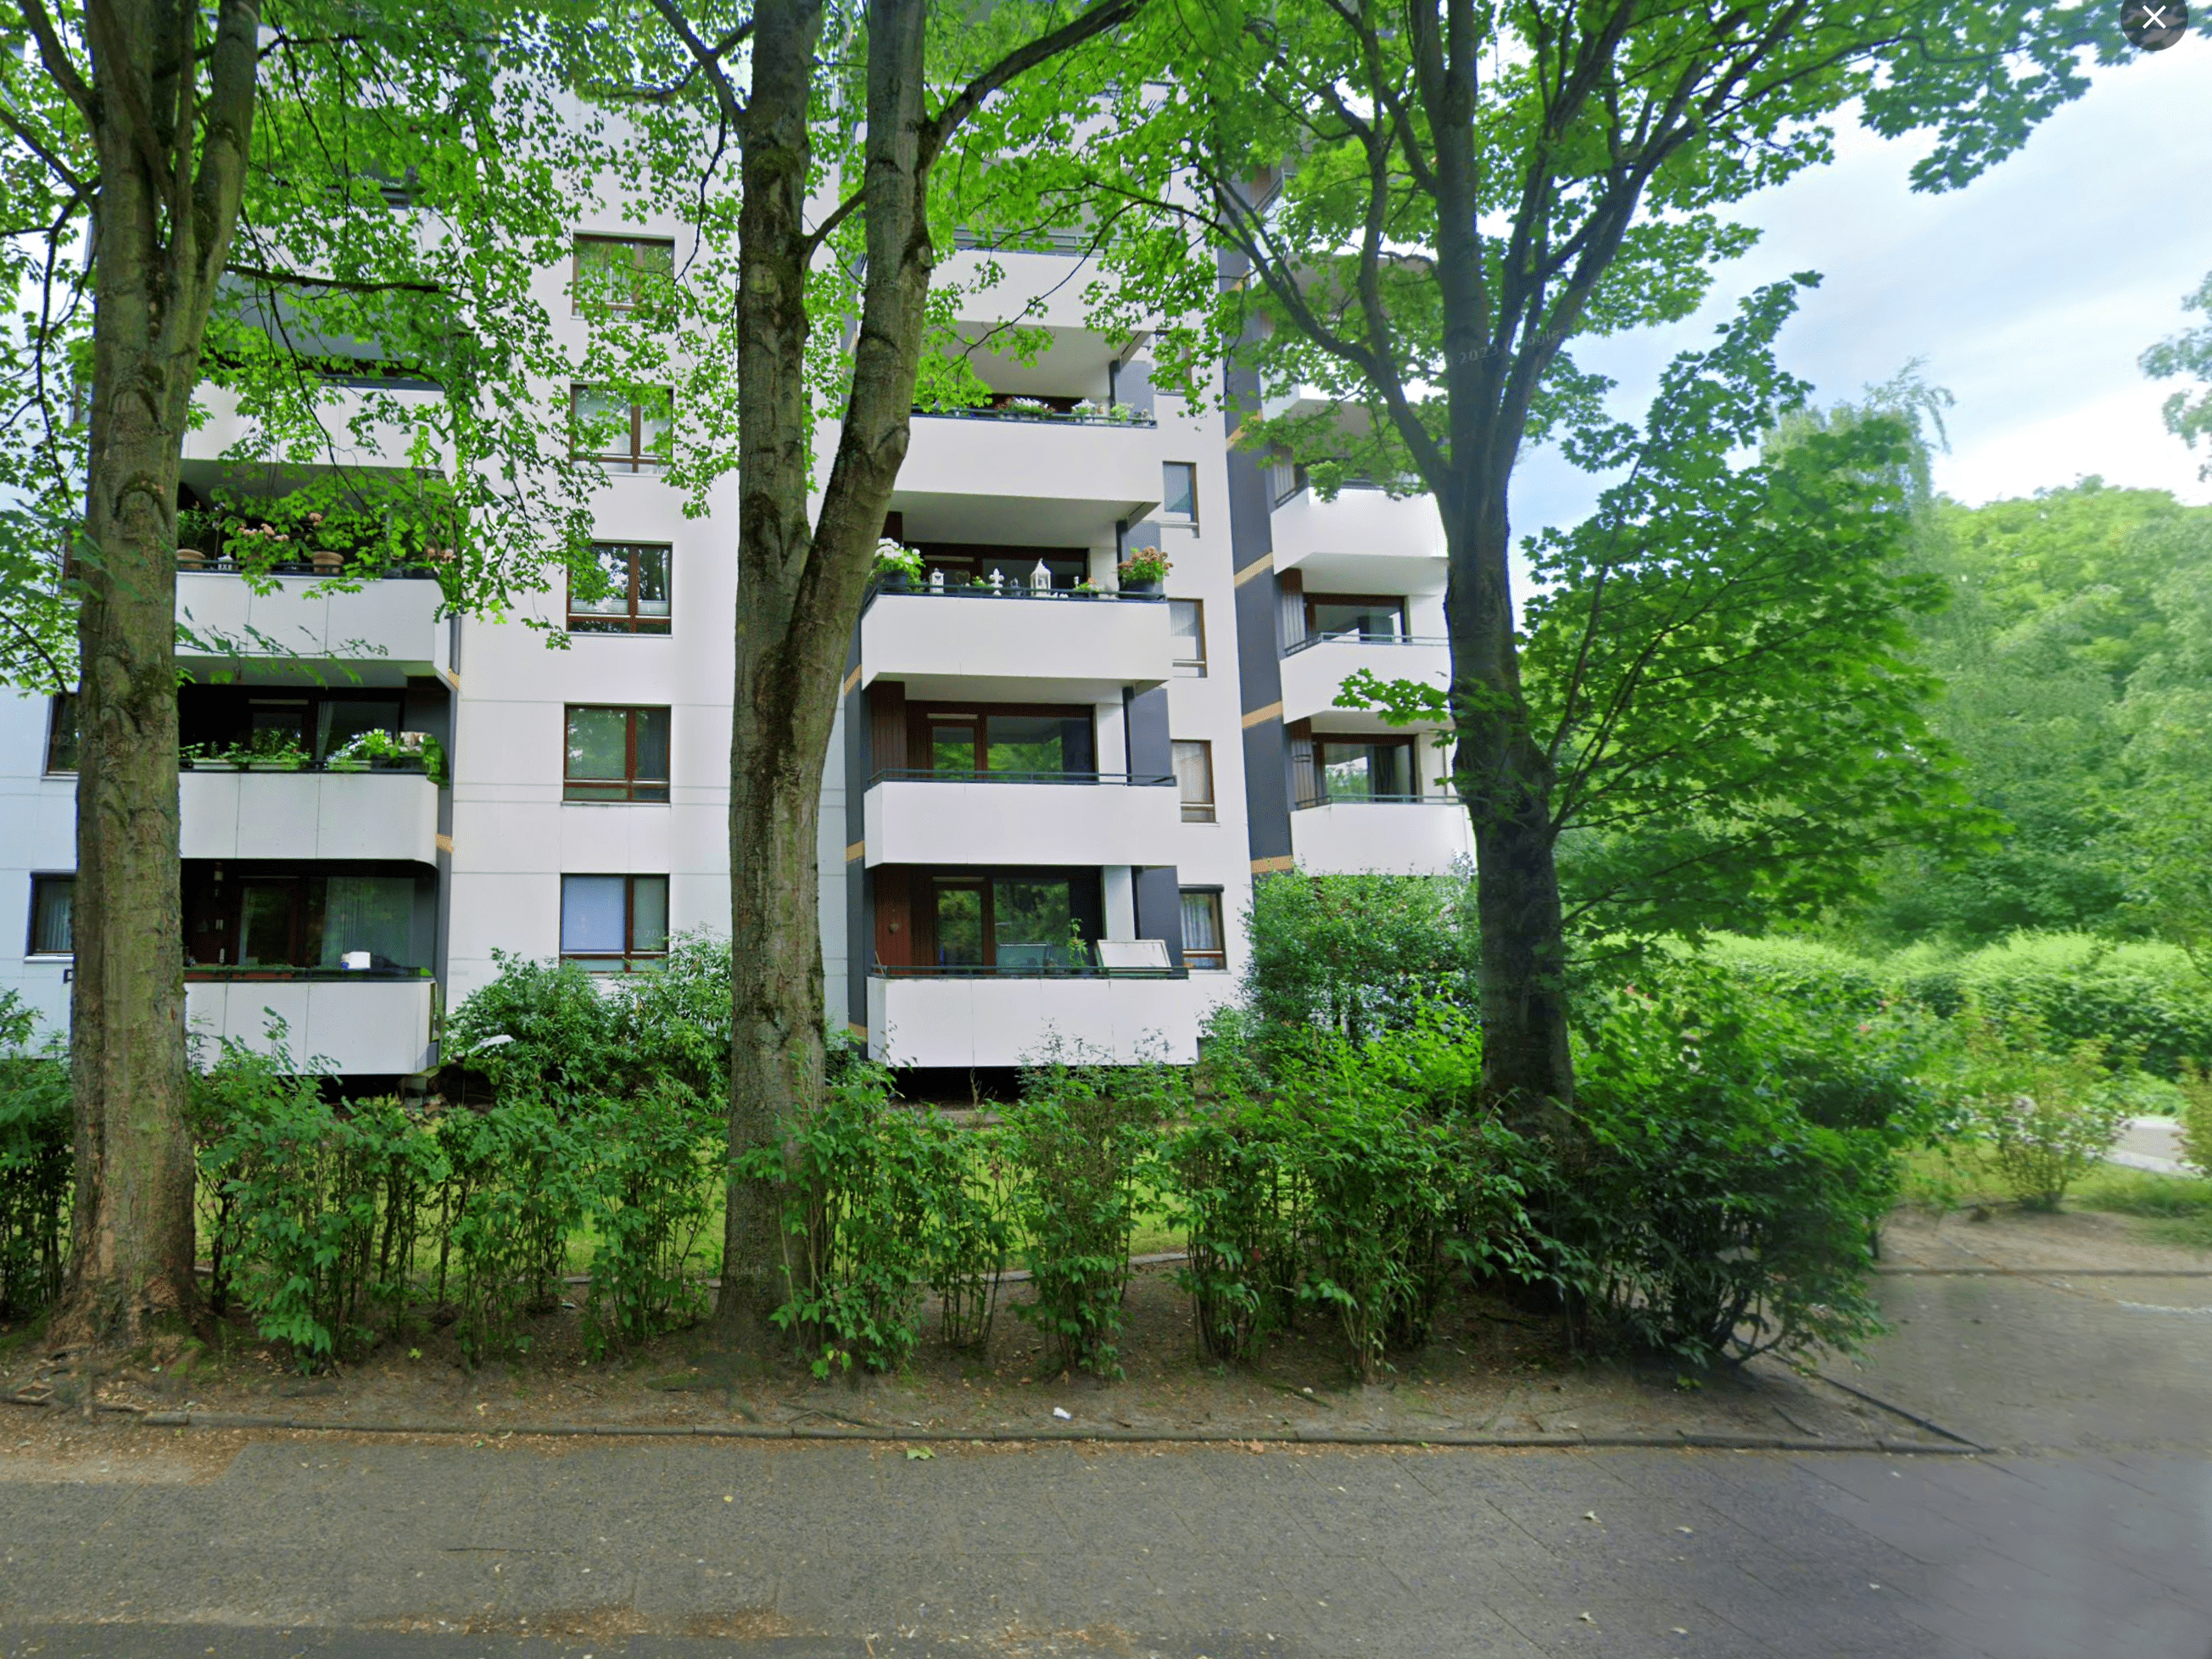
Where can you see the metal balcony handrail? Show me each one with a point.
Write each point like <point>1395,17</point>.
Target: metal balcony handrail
<point>1305,802</point>
<point>1049,970</point>
<point>1136,417</point>
<point>303,568</point>
<point>207,971</point>
<point>411,765</point>
<point>1011,590</point>
<point>930,774</point>
<point>1349,637</point>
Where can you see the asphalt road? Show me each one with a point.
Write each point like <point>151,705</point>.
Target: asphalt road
<point>2088,1533</point>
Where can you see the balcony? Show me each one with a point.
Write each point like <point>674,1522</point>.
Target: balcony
<point>1363,541</point>
<point>1057,482</point>
<point>1022,818</point>
<point>1402,835</point>
<point>359,1024</point>
<point>388,625</point>
<point>998,1019</point>
<point>380,815</point>
<point>1015,646</point>
<point>1314,670</point>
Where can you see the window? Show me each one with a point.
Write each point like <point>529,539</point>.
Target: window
<point>1202,936</point>
<point>623,436</point>
<point>636,599</point>
<point>1187,627</point>
<point>1194,770</point>
<point>211,718</point>
<point>620,272</point>
<point>1179,492</point>
<point>61,734</point>
<point>617,754</point>
<point>1023,922</point>
<point>615,924</point>
<point>1016,745</point>
<point>1355,615</point>
<point>1380,770</point>
<point>278,918</point>
<point>51,897</point>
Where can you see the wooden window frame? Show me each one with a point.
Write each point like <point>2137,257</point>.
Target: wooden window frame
<point>1205,812</point>
<point>630,783</point>
<point>636,244</point>
<point>637,460</point>
<point>602,622</point>
<point>630,957</point>
<point>1205,961</point>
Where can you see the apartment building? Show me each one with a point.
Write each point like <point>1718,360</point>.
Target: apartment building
<point>1042,811</point>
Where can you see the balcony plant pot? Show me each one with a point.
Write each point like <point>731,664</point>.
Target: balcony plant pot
<point>191,558</point>
<point>894,581</point>
<point>1134,590</point>
<point>326,562</point>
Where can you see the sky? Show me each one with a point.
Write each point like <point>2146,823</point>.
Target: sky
<point>2029,295</point>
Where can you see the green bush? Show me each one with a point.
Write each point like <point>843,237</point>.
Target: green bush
<point>653,1177</point>
<point>2146,1003</point>
<point>515,1184</point>
<point>1712,1216</point>
<point>1802,972</point>
<point>1359,954</point>
<point>2043,1118</point>
<point>879,1201</point>
<point>545,1031</point>
<point>37,1164</point>
<point>2196,1119</point>
<point>1077,1144</point>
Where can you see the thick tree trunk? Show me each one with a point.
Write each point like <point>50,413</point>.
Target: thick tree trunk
<point>160,234</point>
<point>1506,777</point>
<point>800,588</point>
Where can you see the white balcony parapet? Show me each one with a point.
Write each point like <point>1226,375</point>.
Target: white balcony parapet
<point>1033,483</point>
<point>1363,541</point>
<point>309,815</point>
<point>1427,837</point>
<point>354,1025</point>
<point>1314,670</point>
<point>1079,818</point>
<point>391,621</point>
<point>989,1019</point>
<point>993,648</point>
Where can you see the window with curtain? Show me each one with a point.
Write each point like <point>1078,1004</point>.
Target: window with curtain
<point>1194,770</point>
<point>375,913</point>
<point>1187,628</point>
<point>607,426</point>
<point>617,754</point>
<point>50,898</point>
<point>635,600</point>
<point>618,273</point>
<point>615,924</point>
<point>1204,943</point>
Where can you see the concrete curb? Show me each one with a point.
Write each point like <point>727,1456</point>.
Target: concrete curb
<point>1679,1441</point>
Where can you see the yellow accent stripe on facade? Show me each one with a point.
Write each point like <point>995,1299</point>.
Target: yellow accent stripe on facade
<point>1273,711</point>
<point>1259,567</point>
<point>1273,866</point>
<point>859,849</point>
<point>851,680</point>
<point>860,1032</point>
<point>445,843</point>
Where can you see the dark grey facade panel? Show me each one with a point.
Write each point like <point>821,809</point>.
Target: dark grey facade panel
<point>1145,719</point>
<point>1159,910</point>
<point>860,906</point>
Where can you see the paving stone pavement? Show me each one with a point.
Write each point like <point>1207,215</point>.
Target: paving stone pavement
<point>2086,1534</point>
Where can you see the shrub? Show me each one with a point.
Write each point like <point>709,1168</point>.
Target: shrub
<point>2196,1116</point>
<point>37,1164</point>
<point>1802,972</point>
<point>869,1187</point>
<point>1712,1216</point>
<point>1077,1144</point>
<point>1359,954</point>
<point>2043,1119</point>
<point>654,1174</point>
<point>1232,1190</point>
<point>545,1031</point>
<point>300,1199</point>
<point>2145,1003</point>
<point>514,1186</point>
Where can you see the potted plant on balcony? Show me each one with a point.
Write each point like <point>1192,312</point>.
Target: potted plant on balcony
<point>897,566</point>
<point>387,751</point>
<point>1143,571</point>
<point>274,751</point>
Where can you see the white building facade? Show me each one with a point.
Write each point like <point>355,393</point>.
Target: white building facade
<point>1042,812</point>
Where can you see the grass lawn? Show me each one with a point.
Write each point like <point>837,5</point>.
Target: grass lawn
<point>2177,1207</point>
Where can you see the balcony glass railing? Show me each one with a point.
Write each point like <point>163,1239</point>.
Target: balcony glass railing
<point>925,774</point>
<point>1353,638</point>
<point>1021,969</point>
<point>905,587</point>
<point>204,971</point>
<point>1440,799</point>
<point>1091,414</point>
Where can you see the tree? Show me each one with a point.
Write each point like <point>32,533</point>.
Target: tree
<point>1427,204</point>
<point>1719,661</point>
<point>256,253</point>
<point>843,119</point>
<point>2187,416</point>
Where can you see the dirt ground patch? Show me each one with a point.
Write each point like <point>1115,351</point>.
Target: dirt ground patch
<point>2015,1240</point>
